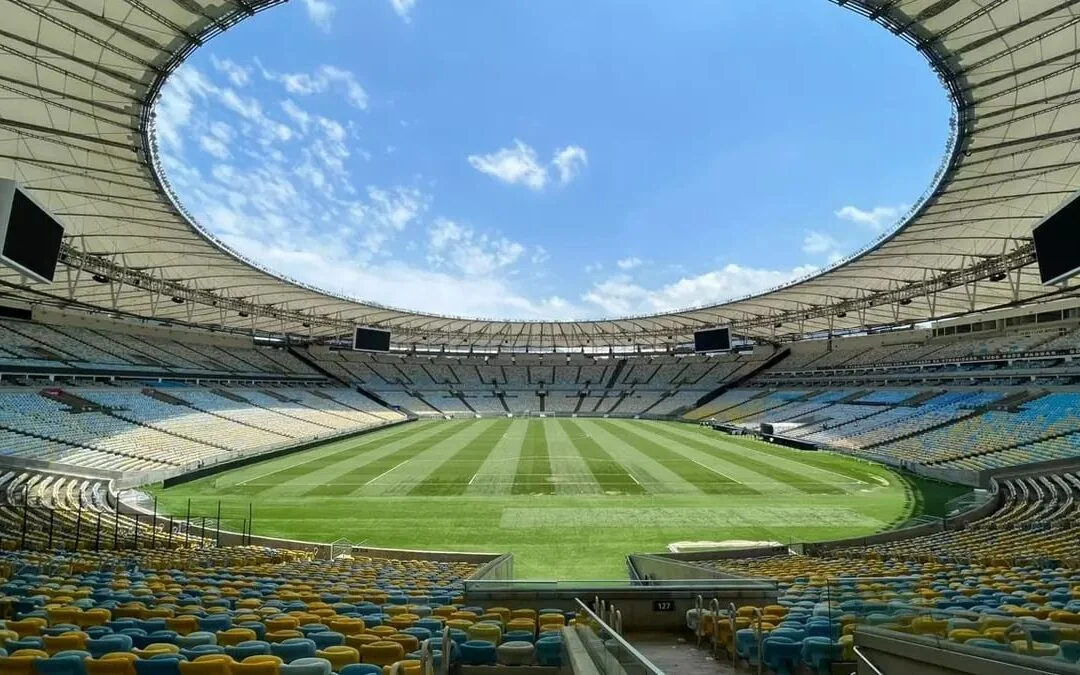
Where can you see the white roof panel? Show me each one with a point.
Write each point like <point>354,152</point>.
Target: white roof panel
<point>78,78</point>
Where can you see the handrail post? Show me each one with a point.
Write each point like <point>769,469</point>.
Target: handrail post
<point>714,609</point>
<point>1027,635</point>
<point>733,612</point>
<point>602,628</point>
<point>699,609</point>
<point>760,640</point>
<point>447,650</point>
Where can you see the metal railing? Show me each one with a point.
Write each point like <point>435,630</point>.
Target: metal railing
<point>863,658</point>
<point>340,547</point>
<point>611,653</point>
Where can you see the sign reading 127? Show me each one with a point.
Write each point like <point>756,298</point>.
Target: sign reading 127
<point>663,605</point>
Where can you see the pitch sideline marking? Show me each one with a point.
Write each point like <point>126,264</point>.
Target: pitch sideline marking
<point>310,459</point>
<point>384,473</point>
<point>269,473</point>
<point>818,468</point>
<point>847,479</point>
<point>719,473</point>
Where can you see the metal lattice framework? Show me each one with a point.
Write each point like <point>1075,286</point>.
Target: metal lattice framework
<point>78,80</point>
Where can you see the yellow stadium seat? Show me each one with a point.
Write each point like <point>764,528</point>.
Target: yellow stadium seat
<point>382,653</point>
<point>234,636</point>
<point>156,649</point>
<point>183,625</point>
<point>65,641</point>
<point>22,664</point>
<point>339,656</point>
<point>347,625</point>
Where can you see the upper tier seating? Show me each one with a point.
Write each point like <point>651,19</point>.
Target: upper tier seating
<point>786,411</point>
<point>38,344</point>
<point>829,422</point>
<point>887,423</point>
<point>992,431</point>
<point>681,399</point>
<point>725,401</point>
<point>755,407</point>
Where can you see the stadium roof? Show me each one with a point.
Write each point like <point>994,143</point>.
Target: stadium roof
<point>79,79</point>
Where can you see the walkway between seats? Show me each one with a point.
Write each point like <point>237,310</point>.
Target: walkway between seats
<point>681,657</point>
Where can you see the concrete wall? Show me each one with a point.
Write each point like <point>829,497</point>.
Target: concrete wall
<point>636,604</point>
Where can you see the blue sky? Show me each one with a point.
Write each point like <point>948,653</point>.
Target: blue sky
<point>556,159</point>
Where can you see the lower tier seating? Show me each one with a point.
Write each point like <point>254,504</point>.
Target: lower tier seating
<point>1009,581</point>
<point>129,429</point>
<point>273,611</point>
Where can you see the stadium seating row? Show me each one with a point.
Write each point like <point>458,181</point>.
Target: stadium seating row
<point>223,610</point>
<point>1004,582</point>
<point>40,345</point>
<point>126,429</point>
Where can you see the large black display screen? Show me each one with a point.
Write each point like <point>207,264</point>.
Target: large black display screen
<point>715,340</point>
<point>30,236</point>
<point>1057,243</point>
<point>368,340</point>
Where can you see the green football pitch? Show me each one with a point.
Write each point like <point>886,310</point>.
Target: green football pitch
<point>568,497</point>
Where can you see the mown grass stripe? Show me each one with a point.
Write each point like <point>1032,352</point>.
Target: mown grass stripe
<point>608,472</point>
<point>272,481</point>
<point>824,461</point>
<point>798,481</point>
<point>708,481</point>
<point>534,465</point>
<point>453,475</point>
<point>350,481</point>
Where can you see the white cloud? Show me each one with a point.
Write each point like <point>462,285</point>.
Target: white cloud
<point>321,81</point>
<point>512,165</point>
<point>619,296</point>
<point>297,114</point>
<point>460,247</point>
<point>294,207</point>
<point>185,90</point>
<point>816,243</point>
<point>404,8</point>
<point>569,161</point>
<point>520,165</point>
<point>627,264</point>
<point>268,193</point>
<point>402,285</point>
<point>269,221</point>
<point>216,141</point>
<point>238,75</point>
<point>320,12</point>
<point>876,218</point>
